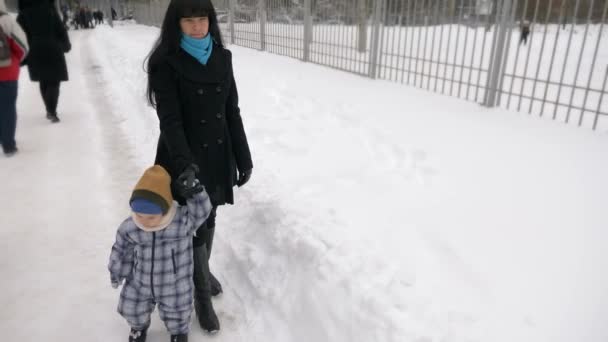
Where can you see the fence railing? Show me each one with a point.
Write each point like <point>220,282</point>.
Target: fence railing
<point>472,49</point>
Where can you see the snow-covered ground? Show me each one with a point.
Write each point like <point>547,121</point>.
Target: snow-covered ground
<point>376,212</point>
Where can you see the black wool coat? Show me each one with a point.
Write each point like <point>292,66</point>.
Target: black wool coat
<point>48,42</point>
<point>200,120</point>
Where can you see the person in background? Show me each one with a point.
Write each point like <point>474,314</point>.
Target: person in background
<point>49,42</point>
<point>191,84</point>
<point>89,17</point>
<point>65,15</point>
<point>82,18</point>
<point>525,32</point>
<point>13,49</point>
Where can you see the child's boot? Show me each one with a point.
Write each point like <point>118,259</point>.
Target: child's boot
<point>137,335</point>
<point>179,338</point>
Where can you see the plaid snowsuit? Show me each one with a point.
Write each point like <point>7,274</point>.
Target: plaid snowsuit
<point>157,268</point>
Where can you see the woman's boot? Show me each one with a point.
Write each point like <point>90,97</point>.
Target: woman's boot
<point>216,287</point>
<point>202,291</point>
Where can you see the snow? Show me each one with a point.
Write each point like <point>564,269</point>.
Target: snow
<point>376,211</point>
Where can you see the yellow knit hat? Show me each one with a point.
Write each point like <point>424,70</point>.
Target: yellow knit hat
<point>154,186</point>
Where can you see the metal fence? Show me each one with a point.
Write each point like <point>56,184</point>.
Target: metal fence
<point>471,49</point>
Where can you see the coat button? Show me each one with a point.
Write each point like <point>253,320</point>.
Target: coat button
<point>219,115</point>
<point>203,122</point>
<point>205,145</point>
<point>200,91</point>
<point>219,141</point>
<point>218,89</point>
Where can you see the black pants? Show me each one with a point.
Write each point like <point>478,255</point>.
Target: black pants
<point>523,38</point>
<point>8,114</point>
<point>50,95</point>
<point>201,237</point>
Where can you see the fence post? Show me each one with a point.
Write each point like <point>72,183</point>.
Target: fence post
<point>231,7</point>
<point>110,20</point>
<point>599,104</point>
<point>155,5</point>
<point>307,30</point>
<point>497,55</point>
<point>375,47</point>
<point>509,29</point>
<point>362,26</point>
<point>262,11</point>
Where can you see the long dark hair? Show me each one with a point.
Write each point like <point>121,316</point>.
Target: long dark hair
<point>170,33</point>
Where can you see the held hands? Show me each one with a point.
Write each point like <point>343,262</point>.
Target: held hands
<point>243,177</point>
<point>187,183</point>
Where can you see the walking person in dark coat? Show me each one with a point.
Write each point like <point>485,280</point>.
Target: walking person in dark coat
<point>97,17</point>
<point>89,18</point>
<point>49,42</point>
<point>191,84</point>
<point>82,18</point>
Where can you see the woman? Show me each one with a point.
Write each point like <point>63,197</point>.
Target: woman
<point>49,42</point>
<point>191,84</point>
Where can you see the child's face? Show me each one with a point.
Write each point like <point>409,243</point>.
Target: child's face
<point>149,220</point>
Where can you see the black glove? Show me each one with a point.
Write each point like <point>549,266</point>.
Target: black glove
<point>243,177</point>
<point>187,184</point>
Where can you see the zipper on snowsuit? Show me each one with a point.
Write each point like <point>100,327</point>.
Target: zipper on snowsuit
<point>173,259</point>
<point>152,270</point>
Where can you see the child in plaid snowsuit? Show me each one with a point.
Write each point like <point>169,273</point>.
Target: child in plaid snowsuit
<point>153,255</point>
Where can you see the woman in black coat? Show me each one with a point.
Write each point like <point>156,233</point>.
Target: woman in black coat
<point>49,42</point>
<point>191,84</point>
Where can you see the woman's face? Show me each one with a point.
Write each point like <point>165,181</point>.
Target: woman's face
<point>195,27</point>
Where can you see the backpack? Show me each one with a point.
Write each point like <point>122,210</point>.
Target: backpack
<point>5,48</point>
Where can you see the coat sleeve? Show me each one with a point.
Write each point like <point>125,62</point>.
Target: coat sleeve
<point>235,124</point>
<point>62,35</point>
<point>122,257</point>
<point>19,45</point>
<point>169,113</point>
<point>197,210</point>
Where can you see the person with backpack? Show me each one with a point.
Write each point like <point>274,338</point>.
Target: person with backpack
<point>13,49</point>
<point>49,42</point>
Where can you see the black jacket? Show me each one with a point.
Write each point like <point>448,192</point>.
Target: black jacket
<point>48,42</point>
<point>200,120</point>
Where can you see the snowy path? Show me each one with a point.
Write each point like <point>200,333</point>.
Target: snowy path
<point>377,212</point>
<point>57,193</point>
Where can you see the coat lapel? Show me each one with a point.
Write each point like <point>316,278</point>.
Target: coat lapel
<point>188,67</point>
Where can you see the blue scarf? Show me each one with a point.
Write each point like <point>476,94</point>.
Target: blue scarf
<point>198,48</point>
